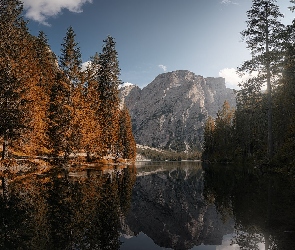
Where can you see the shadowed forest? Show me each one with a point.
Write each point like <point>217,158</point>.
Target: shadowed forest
<point>65,210</point>
<point>50,106</point>
<point>261,129</point>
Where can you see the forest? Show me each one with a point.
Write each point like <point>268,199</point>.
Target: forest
<point>49,105</point>
<point>261,129</point>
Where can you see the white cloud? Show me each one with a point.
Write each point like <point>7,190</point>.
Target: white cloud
<point>164,68</point>
<point>232,79</point>
<point>40,10</point>
<point>228,2</point>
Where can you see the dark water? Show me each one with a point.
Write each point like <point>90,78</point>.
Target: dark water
<point>179,205</point>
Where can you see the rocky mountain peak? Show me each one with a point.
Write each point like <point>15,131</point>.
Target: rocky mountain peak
<point>170,112</point>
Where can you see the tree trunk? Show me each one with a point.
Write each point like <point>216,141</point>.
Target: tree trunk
<point>88,156</point>
<point>5,148</point>
<point>269,122</point>
<point>269,91</point>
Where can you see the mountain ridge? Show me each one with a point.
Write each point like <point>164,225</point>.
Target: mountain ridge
<point>170,112</point>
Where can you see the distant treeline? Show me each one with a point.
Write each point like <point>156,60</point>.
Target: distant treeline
<point>165,155</point>
<point>49,105</point>
<point>262,128</point>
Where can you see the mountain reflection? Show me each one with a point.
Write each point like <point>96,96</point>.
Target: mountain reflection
<point>261,203</point>
<point>176,205</point>
<point>168,206</point>
<point>65,210</point>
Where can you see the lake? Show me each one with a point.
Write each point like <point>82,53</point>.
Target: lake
<point>153,205</point>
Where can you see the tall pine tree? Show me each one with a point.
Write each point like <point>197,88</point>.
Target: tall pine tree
<point>14,71</point>
<point>64,131</point>
<point>285,102</point>
<point>127,145</point>
<point>108,80</point>
<point>91,122</point>
<point>70,59</point>
<point>35,140</point>
<point>263,39</point>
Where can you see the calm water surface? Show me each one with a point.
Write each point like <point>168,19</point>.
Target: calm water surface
<point>153,205</point>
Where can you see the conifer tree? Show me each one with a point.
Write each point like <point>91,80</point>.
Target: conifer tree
<point>64,131</point>
<point>292,8</point>
<point>35,140</point>
<point>70,59</point>
<point>285,101</point>
<point>47,60</point>
<point>91,122</point>
<point>60,117</point>
<point>127,144</point>
<point>263,38</point>
<point>109,82</point>
<point>14,71</point>
<point>209,139</point>
<point>70,64</point>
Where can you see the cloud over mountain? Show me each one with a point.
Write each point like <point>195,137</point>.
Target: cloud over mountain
<point>41,10</point>
<point>232,78</point>
<point>163,67</point>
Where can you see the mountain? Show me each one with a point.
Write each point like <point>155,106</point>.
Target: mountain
<point>169,207</point>
<point>170,112</point>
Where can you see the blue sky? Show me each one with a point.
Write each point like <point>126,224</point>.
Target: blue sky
<point>152,36</point>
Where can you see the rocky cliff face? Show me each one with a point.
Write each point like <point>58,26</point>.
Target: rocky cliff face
<point>170,112</point>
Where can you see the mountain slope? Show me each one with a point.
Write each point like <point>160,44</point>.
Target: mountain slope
<point>170,112</point>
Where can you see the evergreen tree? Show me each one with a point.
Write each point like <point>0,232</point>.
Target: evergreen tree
<point>263,38</point>
<point>109,82</point>
<point>70,59</point>
<point>285,102</point>
<point>60,117</point>
<point>65,130</point>
<point>127,144</point>
<point>47,60</point>
<point>223,132</point>
<point>218,136</point>
<point>35,140</point>
<point>209,140</point>
<point>250,126</point>
<point>91,122</point>
<point>292,8</point>
<point>14,71</point>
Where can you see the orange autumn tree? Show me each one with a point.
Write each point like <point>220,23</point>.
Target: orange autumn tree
<point>91,128</point>
<point>51,108</point>
<point>15,72</point>
<point>126,142</point>
<point>35,141</point>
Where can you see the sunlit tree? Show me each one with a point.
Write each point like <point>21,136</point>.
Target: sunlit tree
<point>264,40</point>
<point>14,71</point>
<point>126,144</point>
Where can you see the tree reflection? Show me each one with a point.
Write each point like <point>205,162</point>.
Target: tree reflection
<point>261,203</point>
<point>65,210</point>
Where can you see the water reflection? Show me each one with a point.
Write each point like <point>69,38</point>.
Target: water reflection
<point>180,205</point>
<point>261,203</point>
<point>168,206</point>
<point>62,210</point>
